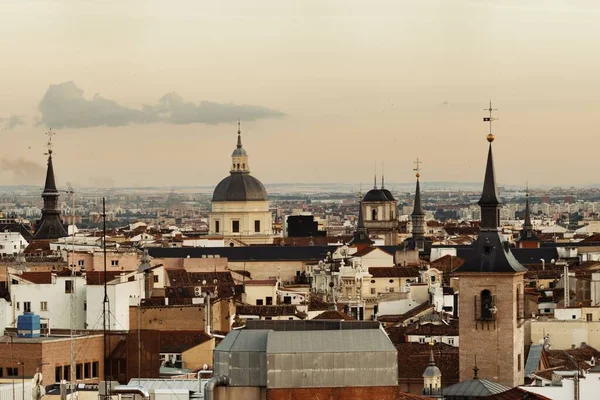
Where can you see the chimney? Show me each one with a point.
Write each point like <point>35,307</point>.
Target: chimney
<point>207,314</point>
<point>122,277</point>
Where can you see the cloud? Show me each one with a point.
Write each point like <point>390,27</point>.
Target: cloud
<point>11,122</point>
<point>24,172</point>
<point>64,106</point>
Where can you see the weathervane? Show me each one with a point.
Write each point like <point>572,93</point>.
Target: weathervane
<point>418,167</point>
<point>49,145</point>
<point>490,119</point>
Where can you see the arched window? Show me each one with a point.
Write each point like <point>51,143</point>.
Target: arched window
<point>238,166</point>
<point>487,305</point>
<point>51,230</point>
<point>374,214</point>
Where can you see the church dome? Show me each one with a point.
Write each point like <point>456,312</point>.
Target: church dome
<point>240,187</point>
<point>432,371</point>
<point>388,194</point>
<point>240,151</point>
<point>376,195</point>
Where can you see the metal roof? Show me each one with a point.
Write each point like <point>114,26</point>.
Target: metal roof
<point>240,187</point>
<point>244,340</point>
<point>533,359</point>
<point>475,388</point>
<point>343,341</point>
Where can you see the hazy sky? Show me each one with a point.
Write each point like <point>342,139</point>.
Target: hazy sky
<point>147,92</point>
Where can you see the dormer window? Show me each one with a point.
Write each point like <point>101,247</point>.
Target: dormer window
<point>487,249</point>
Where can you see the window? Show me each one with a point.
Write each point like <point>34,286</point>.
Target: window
<point>114,263</point>
<point>235,226</point>
<point>69,286</point>
<point>268,318</point>
<point>26,306</point>
<point>269,300</point>
<point>259,302</point>
<point>43,306</point>
<point>374,214</point>
<point>391,290</point>
<point>287,300</point>
<point>487,304</point>
<point>155,278</point>
<point>51,230</point>
<point>12,371</point>
<point>1,372</point>
<point>373,290</point>
<point>85,306</point>
<point>18,305</point>
<point>57,374</point>
<point>67,372</point>
<point>421,340</point>
<point>519,362</point>
<point>588,317</point>
<point>95,368</point>
<point>391,281</point>
<point>80,263</point>
<point>217,226</point>
<point>86,370</point>
<point>257,226</point>
<point>78,371</point>
<point>451,341</point>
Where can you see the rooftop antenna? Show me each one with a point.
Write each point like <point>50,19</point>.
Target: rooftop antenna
<point>490,119</point>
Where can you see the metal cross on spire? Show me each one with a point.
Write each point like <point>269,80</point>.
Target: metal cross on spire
<point>49,145</point>
<point>418,167</point>
<point>490,119</point>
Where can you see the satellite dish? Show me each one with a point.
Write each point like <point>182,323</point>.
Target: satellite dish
<point>205,367</point>
<point>204,282</point>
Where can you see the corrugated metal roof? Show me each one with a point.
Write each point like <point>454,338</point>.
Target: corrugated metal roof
<point>244,340</point>
<point>367,340</point>
<point>533,359</point>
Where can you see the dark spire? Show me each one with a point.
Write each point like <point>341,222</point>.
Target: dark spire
<point>489,203</point>
<point>528,234</point>
<point>418,208</point>
<point>239,142</point>
<point>361,236</point>
<point>527,224</point>
<point>50,185</point>
<point>431,359</point>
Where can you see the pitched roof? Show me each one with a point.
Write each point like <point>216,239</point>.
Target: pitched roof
<point>261,282</point>
<point>181,277</point>
<point>334,315</point>
<point>517,394</point>
<point>413,359</point>
<point>179,341</point>
<point>97,277</point>
<point>249,253</point>
<point>40,278</point>
<point>475,388</point>
<point>394,272</point>
<point>267,311</point>
<point>433,329</point>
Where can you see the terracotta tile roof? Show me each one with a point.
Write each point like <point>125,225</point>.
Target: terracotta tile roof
<point>37,277</point>
<point>396,334</point>
<point>581,355</point>
<point>422,308</point>
<point>363,252</point>
<point>433,329</point>
<point>262,282</point>
<point>267,311</point>
<point>178,341</point>
<point>517,394</point>
<point>334,315</point>
<point>97,277</point>
<point>394,272</point>
<point>181,277</point>
<point>413,358</point>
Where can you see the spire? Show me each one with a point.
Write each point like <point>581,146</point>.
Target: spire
<point>361,235</point>
<point>489,203</point>
<point>475,369</point>
<point>375,177</point>
<point>431,359</point>
<point>418,208</point>
<point>527,224</point>
<point>239,142</point>
<point>50,185</point>
<point>382,177</point>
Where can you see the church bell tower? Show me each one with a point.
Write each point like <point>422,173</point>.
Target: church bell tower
<point>491,295</point>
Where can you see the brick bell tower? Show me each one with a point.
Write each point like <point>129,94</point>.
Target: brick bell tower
<point>491,295</point>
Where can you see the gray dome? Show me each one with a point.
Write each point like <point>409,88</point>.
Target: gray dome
<point>431,371</point>
<point>240,187</point>
<point>388,194</point>
<point>375,195</point>
<point>239,152</point>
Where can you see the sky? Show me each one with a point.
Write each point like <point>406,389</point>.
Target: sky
<point>148,93</point>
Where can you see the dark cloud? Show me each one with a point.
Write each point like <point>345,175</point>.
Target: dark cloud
<point>23,171</point>
<point>11,122</point>
<point>63,106</point>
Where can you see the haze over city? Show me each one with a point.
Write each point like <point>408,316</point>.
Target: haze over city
<point>149,93</point>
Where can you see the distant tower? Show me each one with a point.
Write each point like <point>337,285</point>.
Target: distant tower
<point>528,238</point>
<point>432,378</point>
<point>50,226</point>
<point>491,295</point>
<point>417,241</point>
<point>361,236</point>
<point>379,211</point>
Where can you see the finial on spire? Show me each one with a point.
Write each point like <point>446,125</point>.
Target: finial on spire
<point>49,144</point>
<point>417,169</point>
<point>375,177</point>
<point>382,176</point>
<point>526,188</point>
<point>239,142</point>
<point>475,369</point>
<point>490,119</point>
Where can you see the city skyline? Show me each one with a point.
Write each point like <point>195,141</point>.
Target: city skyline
<point>343,85</point>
